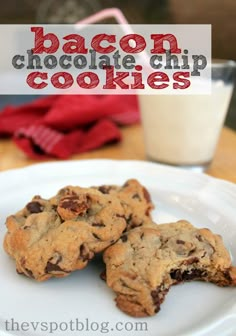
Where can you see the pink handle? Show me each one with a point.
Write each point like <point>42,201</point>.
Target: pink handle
<point>105,14</point>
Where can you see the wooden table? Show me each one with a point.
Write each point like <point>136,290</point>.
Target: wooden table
<point>132,148</point>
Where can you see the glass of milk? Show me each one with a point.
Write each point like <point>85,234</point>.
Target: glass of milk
<point>183,130</point>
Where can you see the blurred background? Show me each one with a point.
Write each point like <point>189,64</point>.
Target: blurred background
<point>220,14</point>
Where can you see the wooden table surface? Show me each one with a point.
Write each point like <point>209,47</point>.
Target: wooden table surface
<point>132,148</point>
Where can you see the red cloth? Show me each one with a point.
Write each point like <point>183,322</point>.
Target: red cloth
<point>60,126</point>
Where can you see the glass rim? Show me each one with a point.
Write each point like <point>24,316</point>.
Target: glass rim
<point>215,63</point>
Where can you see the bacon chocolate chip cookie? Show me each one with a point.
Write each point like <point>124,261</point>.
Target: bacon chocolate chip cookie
<point>52,238</point>
<point>143,265</point>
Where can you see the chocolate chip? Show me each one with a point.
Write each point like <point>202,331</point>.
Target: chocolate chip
<point>34,207</point>
<point>103,275</point>
<point>52,264</point>
<point>187,275</point>
<point>157,309</point>
<point>228,276</point>
<point>135,225</point>
<point>96,236</point>
<point>155,294</point>
<point>199,237</point>
<point>142,235</point>
<point>26,227</point>
<point>179,241</point>
<point>53,268</point>
<point>105,189</point>
<point>71,203</point>
<point>72,206</point>
<point>136,196</point>
<point>29,273</point>
<point>146,195</point>
<point>98,224</point>
<point>129,218</point>
<point>192,251</point>
<point>194,274</point>
<point>78,203</point>
<point>85,254</point>
<point>176,275</point>
<point>124,238</point>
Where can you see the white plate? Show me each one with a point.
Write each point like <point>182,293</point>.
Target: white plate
<point>191,309</point>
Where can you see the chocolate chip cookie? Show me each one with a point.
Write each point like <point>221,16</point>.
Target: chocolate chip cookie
<point>136,201</point>
<point>52,238</point>
<point>147,261</point>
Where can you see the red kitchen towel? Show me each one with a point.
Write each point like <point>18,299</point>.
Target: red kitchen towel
<point>60,126</point>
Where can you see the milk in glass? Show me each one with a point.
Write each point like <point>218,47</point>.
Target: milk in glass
<point>184,129</point>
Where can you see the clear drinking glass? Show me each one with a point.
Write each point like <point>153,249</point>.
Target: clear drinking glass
<point>183,130</point>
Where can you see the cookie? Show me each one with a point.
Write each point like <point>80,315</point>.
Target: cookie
<point>52,238</point>
<point>143,265</point>
<point>136,201</point>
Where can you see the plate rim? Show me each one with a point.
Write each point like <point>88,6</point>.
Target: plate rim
<point>178,170</point>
